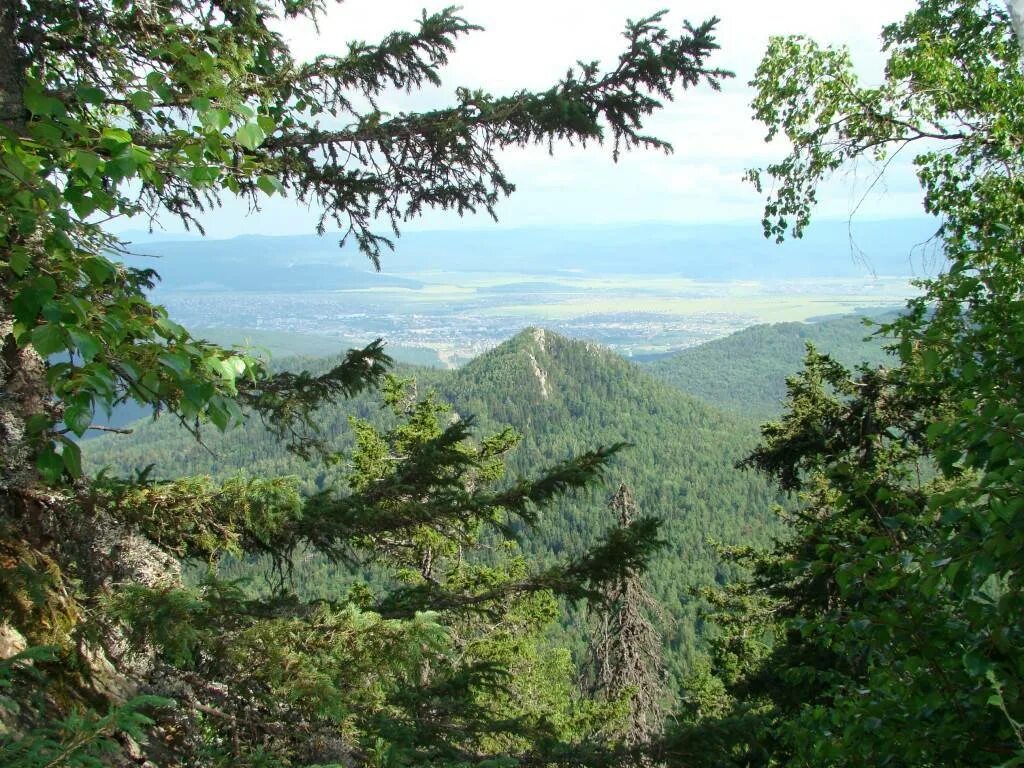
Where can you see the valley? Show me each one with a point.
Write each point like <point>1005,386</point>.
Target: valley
<point>564,397</point>
<point>632,315</point>
<point>689,418</point>
<point>446,297</point>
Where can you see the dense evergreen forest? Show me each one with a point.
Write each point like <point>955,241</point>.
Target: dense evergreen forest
<point>349,562</point>
<point>563,397</point>
<point>746,372</point>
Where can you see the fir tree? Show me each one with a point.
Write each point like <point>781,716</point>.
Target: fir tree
<point>120,108</point>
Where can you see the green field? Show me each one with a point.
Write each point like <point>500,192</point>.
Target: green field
<point>452,318</point>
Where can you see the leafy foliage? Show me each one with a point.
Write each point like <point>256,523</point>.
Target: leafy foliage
<point>890,622</point>
<point>83,738</point>
<point>418,658</point>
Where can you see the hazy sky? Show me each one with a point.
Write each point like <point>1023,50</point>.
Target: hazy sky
<point>530,43</point>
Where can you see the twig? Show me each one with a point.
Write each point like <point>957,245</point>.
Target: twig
<point>117,430</point>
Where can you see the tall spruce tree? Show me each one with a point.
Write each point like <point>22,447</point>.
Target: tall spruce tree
<point>112,108</point>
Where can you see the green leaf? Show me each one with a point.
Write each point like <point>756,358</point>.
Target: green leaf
<point>49,339</point>
<point>176,361</point>
<point>87,344</point>
<point>884,581</point>
<point>52,312</point>
<point>221,368</point>
<point>169,329</point>
<point>50,465</point>
<point>216,118</point>
<point>141,100</point>
<point>82,204</point>
<point>41,105</point>
<point>98,269</point>
<point>115,139</point>
<point>202,175</point>
<point>90,94</point>
<point>878,544</point>
<point>30,299</point>
<point>19,261</point>
<point>124,164</point>
<point>844,577</point>
<point>976,664</point>
<point>71,457</point>
<point>78,417</point>
<point>266,122</point>
<point>87,162</point>
<point>197,392</point>
<point>78,306</point>
<point>37,424</point>
<point>250,136</point>
<point>270,185</point>
<point>234,411</point>
<point>237,364</point>
<point>219,416</point>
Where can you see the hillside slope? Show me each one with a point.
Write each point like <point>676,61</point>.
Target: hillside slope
<point>564,397</point>
<point>746,372</point>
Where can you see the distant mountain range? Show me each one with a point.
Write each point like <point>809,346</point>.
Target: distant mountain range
<point>705,252</point>
<point>266,264</point>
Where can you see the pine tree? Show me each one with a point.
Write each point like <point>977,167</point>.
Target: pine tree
<point>113,108</point>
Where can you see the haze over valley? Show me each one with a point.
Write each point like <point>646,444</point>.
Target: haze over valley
<point>444,297</point>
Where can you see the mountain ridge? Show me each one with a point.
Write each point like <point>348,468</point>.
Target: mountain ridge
<point>896,247</point>
<point>746,371</point>
<point>680,465</point>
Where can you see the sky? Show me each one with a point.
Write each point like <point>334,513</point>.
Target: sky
<point>530,44</point>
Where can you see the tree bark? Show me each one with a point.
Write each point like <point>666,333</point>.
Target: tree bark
<point>23,390</point>
<point>12,69</point>
<point>22,394</point>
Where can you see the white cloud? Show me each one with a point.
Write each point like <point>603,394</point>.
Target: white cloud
<point>530,43</point>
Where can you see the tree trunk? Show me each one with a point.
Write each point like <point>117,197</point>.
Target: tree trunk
<point>12,70</point>
<point>22,394</point>
<point>23,390</point>
<point>626,648</point>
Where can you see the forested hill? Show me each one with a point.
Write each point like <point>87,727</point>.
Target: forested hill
<point>564,397</point>
<point>746,371</point>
